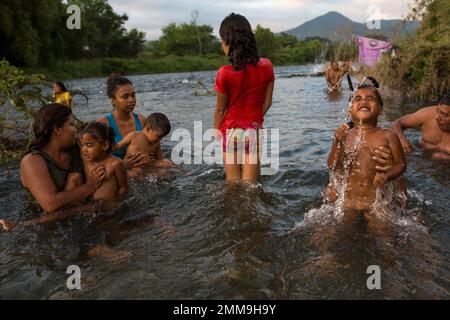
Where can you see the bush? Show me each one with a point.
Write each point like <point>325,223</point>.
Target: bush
<point>421,70</point>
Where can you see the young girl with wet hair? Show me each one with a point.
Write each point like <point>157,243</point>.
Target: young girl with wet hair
<point>244,95</point>
<point>96,142</point>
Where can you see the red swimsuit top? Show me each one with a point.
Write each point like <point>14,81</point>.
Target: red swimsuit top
<point>246,92</point>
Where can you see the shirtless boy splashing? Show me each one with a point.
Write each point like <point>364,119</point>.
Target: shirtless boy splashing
<point>351,154</point>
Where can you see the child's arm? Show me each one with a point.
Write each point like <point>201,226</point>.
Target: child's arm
<point>159,161</point>
<point>121,175</point>
<point>398,167</point>
<point>327,77</point>
<point>158,152</point>
<point>337,149</point>
<point>414,120</point>
<point>268,100</point>
<point>48,217</point>
<point>125,141</point>
<point>221,109</point>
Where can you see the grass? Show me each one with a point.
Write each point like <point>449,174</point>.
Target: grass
<point>143,64</point>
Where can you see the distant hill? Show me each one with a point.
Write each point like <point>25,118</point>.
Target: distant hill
<point>337,27</point>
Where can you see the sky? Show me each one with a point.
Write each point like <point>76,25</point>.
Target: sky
<point>151,16</point>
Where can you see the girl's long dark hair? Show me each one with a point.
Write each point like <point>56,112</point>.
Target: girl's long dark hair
<point>61,85</point>
<point>49,117</point>
<point>236,31</point>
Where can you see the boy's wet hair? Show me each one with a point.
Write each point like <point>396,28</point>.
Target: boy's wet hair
<point>100,132</point>
<point>114,81</point>
<point>236,31</point>
<point>158,121</point>
<point>445,99</point>
<point>374,86</point>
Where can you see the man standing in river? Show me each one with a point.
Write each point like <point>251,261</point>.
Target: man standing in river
<point>333,76</point>
<point>435,124</point>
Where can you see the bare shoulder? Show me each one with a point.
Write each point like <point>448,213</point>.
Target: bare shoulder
<point>116,163</point>
<point>388,132</point>
<point>132,135</point>
<point>389,135</point>
<point>103,120</point>
<point>112,162</point>
<point>427,112</point>
<point>32,161</point>
<point>30,165</point>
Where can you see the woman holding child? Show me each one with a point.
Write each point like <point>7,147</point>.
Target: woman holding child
<point>53,165</point>
<point>122,119</point>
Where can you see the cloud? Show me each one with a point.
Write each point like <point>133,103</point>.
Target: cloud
<point>151,16</point>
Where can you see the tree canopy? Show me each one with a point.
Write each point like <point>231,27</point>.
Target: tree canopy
<point>34,32</point>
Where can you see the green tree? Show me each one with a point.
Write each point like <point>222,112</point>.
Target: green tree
<point>284,40</point>
<point>102,32</point>
<point>184,39</point>
<point>19,95</point>
<point>265,42</point>
<point>34,32</point>
<point>421,69</point>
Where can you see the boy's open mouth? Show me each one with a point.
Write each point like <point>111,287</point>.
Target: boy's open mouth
<point>364,109</point>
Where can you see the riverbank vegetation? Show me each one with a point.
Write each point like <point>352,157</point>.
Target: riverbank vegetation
<point>421,69</point>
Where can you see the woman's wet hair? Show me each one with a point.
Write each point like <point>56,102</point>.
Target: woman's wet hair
<point>48,118</point>
<point>158,121</point>
<point>236,31</point>
<point>61,85</point>
<point>374,85</point>
<point>114,82</point>
<point>100,132</point>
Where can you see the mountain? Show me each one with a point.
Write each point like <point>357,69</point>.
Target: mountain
<point>337,27</point>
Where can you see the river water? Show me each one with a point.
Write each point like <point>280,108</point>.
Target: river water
<point>190,236</point>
